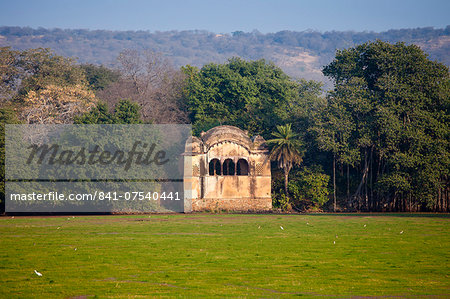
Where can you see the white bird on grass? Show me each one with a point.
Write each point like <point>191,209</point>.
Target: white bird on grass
<point>281,227</point>
<point>401,232</point>
<point>37,273</point>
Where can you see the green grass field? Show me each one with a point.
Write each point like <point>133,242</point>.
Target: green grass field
<point>203,255</point>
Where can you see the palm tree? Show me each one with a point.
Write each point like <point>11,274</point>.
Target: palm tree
<point>286,150</point>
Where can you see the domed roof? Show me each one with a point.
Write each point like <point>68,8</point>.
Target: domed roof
<point>223,134</point>
<point>224,130</point>
<point>226,133</point>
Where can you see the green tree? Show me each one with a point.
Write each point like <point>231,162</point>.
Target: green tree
<point>309,188</point>
<point>395,102</point>
<point>286,150</point>
<point>336,127</point>
<point>98,76</point>
<point>125,112</point>
<point>253,95</point>
<point>40,68</point>
<point>98,115</point>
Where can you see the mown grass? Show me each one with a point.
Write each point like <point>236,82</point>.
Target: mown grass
<point>224,255</point>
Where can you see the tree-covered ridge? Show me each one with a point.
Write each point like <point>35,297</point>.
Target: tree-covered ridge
<point>299,54</point>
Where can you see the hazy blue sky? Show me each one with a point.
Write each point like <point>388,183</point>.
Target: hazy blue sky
<point>226,15</point>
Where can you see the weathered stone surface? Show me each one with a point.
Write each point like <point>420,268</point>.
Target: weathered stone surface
<point>226,170</point>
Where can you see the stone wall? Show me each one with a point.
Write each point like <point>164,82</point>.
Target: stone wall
<point>226,170</point>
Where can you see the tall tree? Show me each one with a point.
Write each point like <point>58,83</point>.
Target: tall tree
<point>286,150</point>
<point>397,102</point>
<point>253,95</point>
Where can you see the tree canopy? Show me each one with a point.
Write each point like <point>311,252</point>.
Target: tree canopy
<point>42,86</point>
<point>286,150</point>
<point>253,95</point>
<point>388,116</point>
<point>125,112</point>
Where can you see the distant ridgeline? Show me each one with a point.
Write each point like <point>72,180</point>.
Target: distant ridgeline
<point>299,54</point>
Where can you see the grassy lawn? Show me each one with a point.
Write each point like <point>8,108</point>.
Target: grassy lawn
<point>225,255</point>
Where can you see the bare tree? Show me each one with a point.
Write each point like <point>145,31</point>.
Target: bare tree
<point>150,80</point>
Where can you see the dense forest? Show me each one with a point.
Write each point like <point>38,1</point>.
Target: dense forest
<point>379,140</point>
<point>299,54</point>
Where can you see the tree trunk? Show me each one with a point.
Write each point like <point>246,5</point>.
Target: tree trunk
<point>286,175</point>
<point>358,191</point>
<point>440,200</point>
<point>371,181</point>
<point>334,181</point>
<point>348,184</point>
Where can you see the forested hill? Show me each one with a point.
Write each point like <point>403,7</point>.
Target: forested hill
<point>300,54</point>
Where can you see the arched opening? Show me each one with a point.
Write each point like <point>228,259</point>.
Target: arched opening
<point>242,167</point>
<point>228,167</point>
<point>214,167</point>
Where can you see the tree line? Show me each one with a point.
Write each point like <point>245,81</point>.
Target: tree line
<point>379,141</point>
